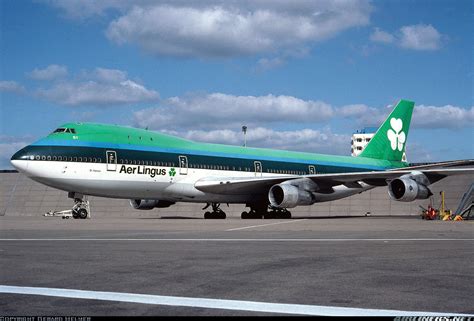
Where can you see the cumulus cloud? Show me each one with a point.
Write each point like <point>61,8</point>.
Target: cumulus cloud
<point>49,73</point>
<point>420,37</point>
<point>11,86</point>
<point>443,117</point>
<point>233,28</point>
<point>98,87</point>
<point>416,37</point>
<point>218,110</point>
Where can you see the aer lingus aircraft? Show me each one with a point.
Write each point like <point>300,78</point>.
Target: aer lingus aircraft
<point>157,170</point>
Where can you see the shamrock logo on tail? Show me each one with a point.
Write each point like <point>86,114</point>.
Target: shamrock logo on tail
<point>172,172</point>
<point>395,135</point>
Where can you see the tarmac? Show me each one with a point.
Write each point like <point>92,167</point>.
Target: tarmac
<point>194,267</point>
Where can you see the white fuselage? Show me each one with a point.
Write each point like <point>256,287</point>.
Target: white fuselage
<point>128,181</point>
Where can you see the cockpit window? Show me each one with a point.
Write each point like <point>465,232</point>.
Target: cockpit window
<point>65,130</point>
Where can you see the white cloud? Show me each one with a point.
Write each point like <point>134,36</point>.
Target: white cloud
<point>219,110</point>
<point>99,87</point>
<point>420,37</point>
<point>381,36</point>
<point>415,37</point>
<point>443,117</point>
<point>306,140</point>
<point>49,73</point>
<point>11,86</point>
<point>449,117</point>
<point>234,28</point>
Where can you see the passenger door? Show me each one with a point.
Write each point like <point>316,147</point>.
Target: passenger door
<point>111,157</point>
<point>258,168</point>
<point>183,165</point>
<point>312,169</point>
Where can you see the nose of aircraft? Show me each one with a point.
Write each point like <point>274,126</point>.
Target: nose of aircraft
<point>20,160</point>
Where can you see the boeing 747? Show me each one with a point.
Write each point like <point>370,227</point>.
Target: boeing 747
<point>155,170</point>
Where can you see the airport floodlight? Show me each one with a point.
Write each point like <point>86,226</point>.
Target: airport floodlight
<point>244,130</point>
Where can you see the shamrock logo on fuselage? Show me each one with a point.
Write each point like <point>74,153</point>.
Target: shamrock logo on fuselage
<point>172,172</point>
<point>395,135</point>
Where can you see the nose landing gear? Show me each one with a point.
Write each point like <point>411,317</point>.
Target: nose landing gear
<point>216,213</point>
<point>81,209</point>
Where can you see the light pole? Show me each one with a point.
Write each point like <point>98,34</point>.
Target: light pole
<point>244,130</point>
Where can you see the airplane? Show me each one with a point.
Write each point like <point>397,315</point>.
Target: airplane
<point>155,170</point>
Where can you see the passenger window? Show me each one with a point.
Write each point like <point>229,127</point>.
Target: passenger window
<point>54,158</point>
<point>49,158</point>
<point>43,157</point>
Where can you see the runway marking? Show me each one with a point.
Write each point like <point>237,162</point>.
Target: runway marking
<point>246,227</point>
<point>237,240</point>
<point>238,305</point>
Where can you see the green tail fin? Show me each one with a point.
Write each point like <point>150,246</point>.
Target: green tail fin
<point>390,139</point>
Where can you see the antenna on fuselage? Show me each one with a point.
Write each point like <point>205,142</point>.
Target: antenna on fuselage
<point>244,130</point>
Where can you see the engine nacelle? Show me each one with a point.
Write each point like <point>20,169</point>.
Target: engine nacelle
<point>405,189</point>
<point>149,204</point>
<point>287,196</point>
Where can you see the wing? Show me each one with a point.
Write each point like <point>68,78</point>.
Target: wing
<point>260,185</point>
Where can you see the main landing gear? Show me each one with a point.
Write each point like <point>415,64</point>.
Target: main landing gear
<point>259,212</point>
<point>216,213</point>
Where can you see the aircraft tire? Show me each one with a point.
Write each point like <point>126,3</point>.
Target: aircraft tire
<point>82,213</point>
<point>75,214</point>
<point>207,215</point>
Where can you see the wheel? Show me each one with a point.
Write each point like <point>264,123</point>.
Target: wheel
<point>82,213</point>
<point>244,215</point>
<point>221,215</point>
<point>75,214</point>
<point>207,215</point>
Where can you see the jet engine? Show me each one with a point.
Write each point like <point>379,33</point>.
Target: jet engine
<point>149,204</point>
<point>287,196</point>
<point>409,187</point>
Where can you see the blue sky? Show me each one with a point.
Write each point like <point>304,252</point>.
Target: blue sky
<point>302,75</point>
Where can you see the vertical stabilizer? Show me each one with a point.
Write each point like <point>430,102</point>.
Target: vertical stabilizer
<point>389,141</point>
